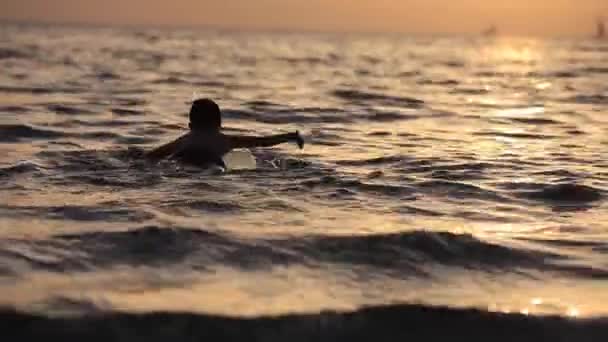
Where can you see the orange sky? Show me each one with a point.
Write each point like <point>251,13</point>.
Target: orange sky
<point>512,16</point>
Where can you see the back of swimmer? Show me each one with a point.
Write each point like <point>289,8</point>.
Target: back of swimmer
<point>206,144</point>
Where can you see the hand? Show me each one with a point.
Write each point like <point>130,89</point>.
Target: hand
<point>298,139</point>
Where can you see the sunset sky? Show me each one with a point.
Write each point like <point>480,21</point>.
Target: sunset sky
<point>545,17</point>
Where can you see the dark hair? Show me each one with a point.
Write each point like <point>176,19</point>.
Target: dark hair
<point>205,114</point>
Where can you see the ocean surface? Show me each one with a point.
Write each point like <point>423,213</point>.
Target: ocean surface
<point>442,177</point>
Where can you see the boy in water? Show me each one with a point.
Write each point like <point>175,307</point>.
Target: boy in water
<point>205,144</point>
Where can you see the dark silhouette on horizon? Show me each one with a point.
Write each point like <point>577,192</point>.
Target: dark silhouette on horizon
<point>600,28</point>
<point>490,31</point>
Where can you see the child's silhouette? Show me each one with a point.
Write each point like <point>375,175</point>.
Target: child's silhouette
<point>205,143</point>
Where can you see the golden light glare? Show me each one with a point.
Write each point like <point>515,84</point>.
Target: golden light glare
<point>573,312</point>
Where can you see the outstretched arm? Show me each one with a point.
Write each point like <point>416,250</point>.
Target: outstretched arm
<point>165,150</point>
<point>240,141</point>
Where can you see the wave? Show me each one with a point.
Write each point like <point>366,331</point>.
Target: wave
<point>379,134</point>
<point>563,173</point>
<point>567,192</point>
<point>384,116</point>
<point>373,161</point>
<point>127,167</point>
<point>597,245</point>
<point>310,61</point>
<point>458,189</point>
<point>535,121</point>
<point>515,135</point>
<point>594,48</point>
<point>19,168</point>
<point>555,74</point>
<point>409,252</point>
<point>207,205</point>
<point>171,80</point>
<point>441,169</point>
<point>71,123</point>
<point>123,101</point>
<point>496,73</point>
<point>106,76</point>
<point>361,96</point>
<point>595,70</point>
<point>14,109</point>
<point>359,186</point>
<point>588,99</point>
<point>574,73</point>
<point>42,90</point>
<point>403,255</point>
<point>271,114</point>
<point>7,53</point>
<point>68,110</point>
<point>381,323</point>
<point>121,167</point>
<point>147,246</point>
<point>126,112</point>
<point>77,213</point>
<point>446,83</point>
<point>19,132</point>
<point>285,117</point>
<point>470,91</point>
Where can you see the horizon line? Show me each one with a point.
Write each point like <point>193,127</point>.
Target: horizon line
<point>230,28</point>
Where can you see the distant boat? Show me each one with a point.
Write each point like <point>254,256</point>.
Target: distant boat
<point>490,31</point>
<point>601,29</point>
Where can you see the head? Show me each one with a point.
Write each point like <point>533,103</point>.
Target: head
<point>205,115</point>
